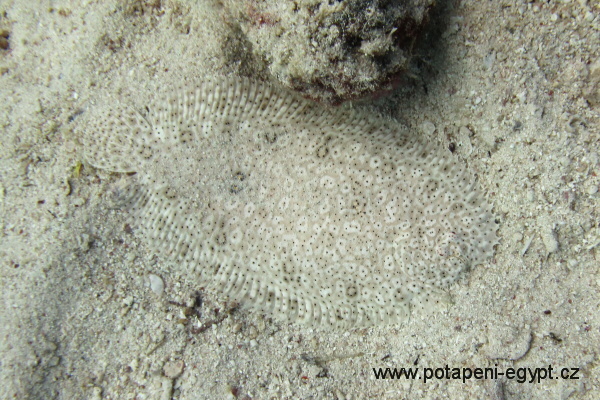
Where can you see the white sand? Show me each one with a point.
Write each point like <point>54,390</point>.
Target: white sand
<point>511,84</point>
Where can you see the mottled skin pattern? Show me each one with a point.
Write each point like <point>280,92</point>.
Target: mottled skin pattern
<point>328,218</point>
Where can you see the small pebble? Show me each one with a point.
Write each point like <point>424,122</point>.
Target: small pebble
<point>549,239</point>
<point>156,284</point>
<point>128,301</point>
<point>488,61</point>
<point>531,195</point>
<point>517,237</point>
<point>589,16</point>
<point>96,393</point>
<point>4,35</point>
<point>252,332</point>
<point>78,202</point>
<point>84,241</point>
<point>428,127</point>
<point>236,327</point>
<point>173,369</point>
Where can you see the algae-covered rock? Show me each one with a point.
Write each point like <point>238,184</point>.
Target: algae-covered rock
<point>331,50</point>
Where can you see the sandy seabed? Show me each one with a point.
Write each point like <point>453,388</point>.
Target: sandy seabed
<point>512,86</point>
